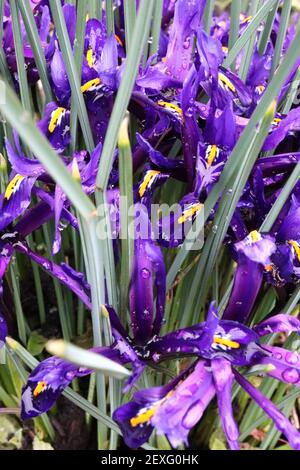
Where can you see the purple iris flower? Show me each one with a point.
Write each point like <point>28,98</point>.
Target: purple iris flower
<point>176,408</point>
<point>55,125</point>
<point>50,378</point>
<point>46,383</point>
<point>277,253</point>
<point>99,79</point>
<point>253,255</point>
<point>219,83</point>
<point>17,196</point>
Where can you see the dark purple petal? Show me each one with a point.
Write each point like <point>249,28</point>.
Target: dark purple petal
<point>247,282</point>
<point>187,18</point>
<point>70,19</point>
<point>155,78</point>
<point>174,167</point>
<point>281,270</point>
<point>220,128</point>
<point>148,271</point>
<point>190,132</point>
<point>290,227</point>
<point>60,78</point>
<point>21,164</point>
<point>210,55</point>
<point>59,272</point>
<point>195,340</point>
<point>136,436</point>
<point>278,163</point>
<point>124,346</point>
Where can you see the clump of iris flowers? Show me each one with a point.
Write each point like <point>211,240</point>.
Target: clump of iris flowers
<point>150,214</point>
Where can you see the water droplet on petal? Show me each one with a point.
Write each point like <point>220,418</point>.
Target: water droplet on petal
<point>292,358</point>
<point>145,273</point>
<point>69,375</point>
<point>291,375</point>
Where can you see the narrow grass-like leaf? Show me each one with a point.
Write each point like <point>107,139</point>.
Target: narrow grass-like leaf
<point>63,317</point>
<point>33,37</point>
<point>254,411</point>
<point>93,254</point>
<point>18,42</point>
<point>1,20</point>
<point>95,8</point>
<point>235,11</point>
<point>250,30</point>
<point>69,61</point>
<point>108,253</point>
<point>44,419</point>
<point>156,26</point>
<point>126,203</point>
<point>291,397</point>
<point>293,301</point>
<point>273,434</point>
<point>249,48</point>
<point>207,17</point>
<point>134,55</point>
<point>78,58</point>
<point>4,70</point>
<point>18,305</point>
<point>284,23</point>
<point>39,291</point>
<point>110,23</point>
<point>130,18</point>
<point>265,34</point>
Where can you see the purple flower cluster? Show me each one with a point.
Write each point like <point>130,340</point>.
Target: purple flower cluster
<point>166,101</point>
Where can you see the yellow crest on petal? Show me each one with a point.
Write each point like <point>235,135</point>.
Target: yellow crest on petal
<point>13,186</point>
